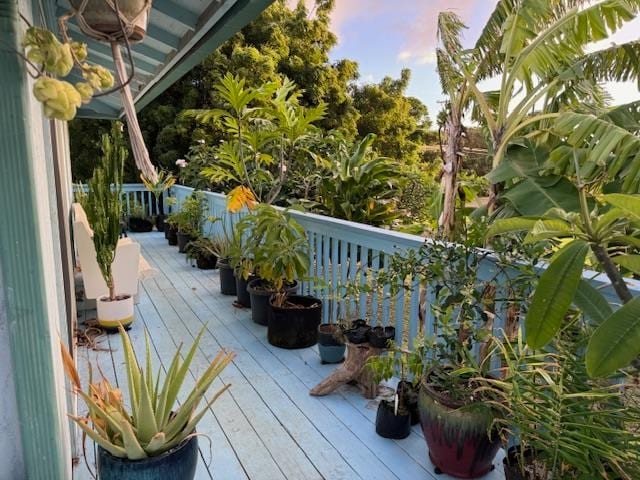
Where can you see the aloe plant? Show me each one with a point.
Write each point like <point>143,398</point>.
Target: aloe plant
<point>153,423</point>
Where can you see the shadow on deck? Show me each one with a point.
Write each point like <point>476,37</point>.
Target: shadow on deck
<point>266,426</point>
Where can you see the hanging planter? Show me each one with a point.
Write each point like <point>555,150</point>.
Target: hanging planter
<point>98,19</point>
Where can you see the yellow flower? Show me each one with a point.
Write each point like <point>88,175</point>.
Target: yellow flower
<point>240,197</point>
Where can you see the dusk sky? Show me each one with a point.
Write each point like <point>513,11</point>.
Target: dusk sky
<point>384,36</point>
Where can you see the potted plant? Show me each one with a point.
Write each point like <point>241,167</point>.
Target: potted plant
<point>164,182</point>
<point>190,219</point>
<point>171,230</point>
<point>104,210</point>
<point>560,422</point>
<point>138,220</point>
<point>409,365</point>
<point>154,437</point>
<point>277,248</point>
<point>204,251</point>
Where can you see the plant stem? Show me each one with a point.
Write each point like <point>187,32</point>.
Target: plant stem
<point>599,250</point>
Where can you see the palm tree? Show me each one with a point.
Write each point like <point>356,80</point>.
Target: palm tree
<point>537,49</point>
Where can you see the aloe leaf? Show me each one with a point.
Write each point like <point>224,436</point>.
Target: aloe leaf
<point>148,374</point>
<point>616,342</point>
<point>130,441</point>
<point>592,302</point>
<point>178,379</point>
<point>146,419</point>
<point>162,398</point>
<point>554,294</point>
<point>157,444</point>
<point>114,450</point>
<point>133,370</point>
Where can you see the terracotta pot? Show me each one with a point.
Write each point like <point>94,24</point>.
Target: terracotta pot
<point>456,433</point>
<point>100,17</point>
<point>113,313</point>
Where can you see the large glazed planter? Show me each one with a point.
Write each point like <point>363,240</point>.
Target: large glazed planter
<point>227,277</point>
<point>330,347</point>
<point>177,463</point>
<point>260,307</point>
<point>100,17</point>
<point>117,312</point>
<point>456,434</point>
<point>296,324</point>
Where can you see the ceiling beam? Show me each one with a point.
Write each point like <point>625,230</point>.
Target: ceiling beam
<point>176,13</point>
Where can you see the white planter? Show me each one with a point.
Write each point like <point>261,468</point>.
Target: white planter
<point>118,312</point>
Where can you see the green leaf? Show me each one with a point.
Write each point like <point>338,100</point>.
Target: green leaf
<point>536,195</point>
<point>546,229</point>
<point>554,294</point>
<point>592,302</point>
<point>630,262</point>
<point>616,342</point>
<point>628,203</point>
<point>510,225</point>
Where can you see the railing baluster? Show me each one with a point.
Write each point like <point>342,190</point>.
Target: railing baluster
<point>413,311</point>
<point>386,301</point>
<point>325,276</point>
<point>364,261</point>
<point>333,290</point>
<point>353,269</point>
<point>373,276</point>
<point>399,314</point>
<point>344,271</point>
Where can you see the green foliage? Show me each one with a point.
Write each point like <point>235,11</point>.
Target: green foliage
<point>400,123</point>
<point>264,128</point>
<point>357,184</point>
<point>192,215</point>
<point>573,427</point>
<point>610,228</point>
<point>205,248</point>
<point>153,423</point>
<point>103,205</point>
<point>276,245</point>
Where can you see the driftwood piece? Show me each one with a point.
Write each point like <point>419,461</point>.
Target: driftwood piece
<point>353,369</point>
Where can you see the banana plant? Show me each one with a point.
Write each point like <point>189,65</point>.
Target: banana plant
<point>152,423</point>
<point>608,225</point>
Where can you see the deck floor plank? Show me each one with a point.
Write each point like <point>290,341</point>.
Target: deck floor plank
<point>266,426</point>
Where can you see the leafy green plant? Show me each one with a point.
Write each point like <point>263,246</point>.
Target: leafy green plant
<point>567,425</point>
<point>265,127</point>
<point>358,185</point>
<point>153,423</point>
<point>136,210</point>
<point>164,182</point>
<point>192,215</point>
<point>607,225</point>
<point>204,248</point>
<point>103,204</point>
<point>276,245</point>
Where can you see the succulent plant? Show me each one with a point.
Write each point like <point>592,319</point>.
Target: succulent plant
<point>153,423</point>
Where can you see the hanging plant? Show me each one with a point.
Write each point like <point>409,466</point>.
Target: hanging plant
<point>117,22</point>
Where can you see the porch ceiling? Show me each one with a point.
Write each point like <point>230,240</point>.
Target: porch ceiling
<point>180,34</point>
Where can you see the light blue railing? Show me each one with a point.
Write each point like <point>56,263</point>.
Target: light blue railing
<point>336,250</point>
<point>133,193</point>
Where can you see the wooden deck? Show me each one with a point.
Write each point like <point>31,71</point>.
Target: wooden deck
<point>266,426</point>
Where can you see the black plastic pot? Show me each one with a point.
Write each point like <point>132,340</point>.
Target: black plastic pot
<point>358,332</point>
<point>140,225</point>
<point>242,295</point>
<point>409,397</point>
<point>160,223</point>
<point>179,462</point>
<point>379,337</point>
<point>330,347</point>
<point>390,425</point>
<point>227,278</point>
<point>183,240</point>
<point>206,262</point>
<point>172,236</point>
<point>260,308</point>
<point>295,324</point>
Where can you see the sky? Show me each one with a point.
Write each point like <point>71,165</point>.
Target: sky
<point>384,36</point>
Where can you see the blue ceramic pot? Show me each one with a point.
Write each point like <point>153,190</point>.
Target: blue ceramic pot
<point>179,463</point>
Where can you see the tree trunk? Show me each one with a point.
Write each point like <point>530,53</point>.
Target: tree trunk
<point>449,180</point>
